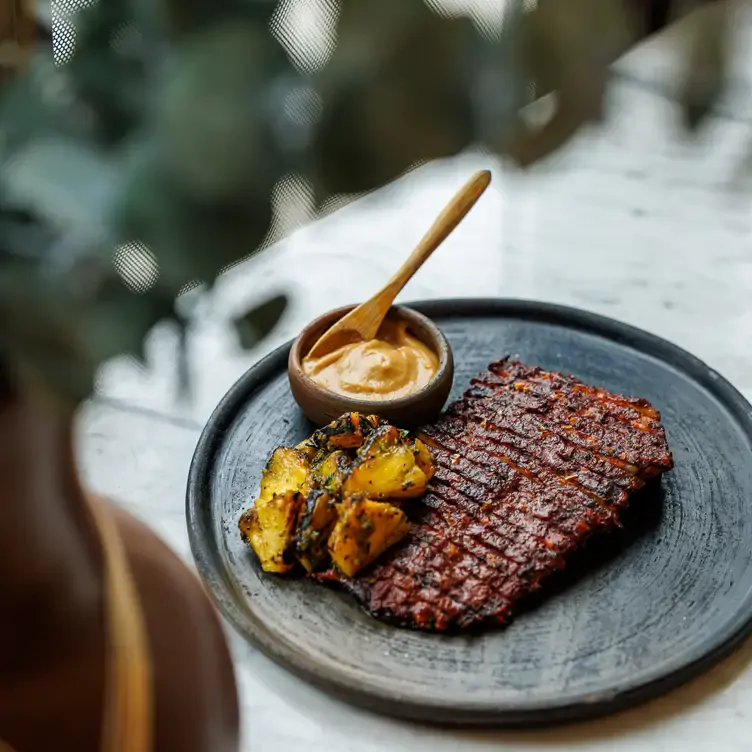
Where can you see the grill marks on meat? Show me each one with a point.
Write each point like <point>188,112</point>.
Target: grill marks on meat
<point>529,464</point>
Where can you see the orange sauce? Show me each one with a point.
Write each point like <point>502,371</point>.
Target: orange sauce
<point>395,364</point>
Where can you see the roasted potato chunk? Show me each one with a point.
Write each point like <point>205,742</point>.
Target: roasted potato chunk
<point>364,530</point>
<point>308,448</point>
<point>423,458</point>
<point>270,529</point>
<point>287,470</point>
<point>329,473</point>
<point>319,501</point>
<point>389,465</point>
<point>347,432</point>
<point>315,526</point>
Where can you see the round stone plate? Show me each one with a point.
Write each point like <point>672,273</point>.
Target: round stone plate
<point>637,613</point>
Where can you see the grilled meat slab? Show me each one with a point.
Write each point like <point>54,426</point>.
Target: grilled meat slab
<point>529,464</point>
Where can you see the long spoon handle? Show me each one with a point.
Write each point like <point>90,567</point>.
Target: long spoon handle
<point>363,322</point>
<point>450,217</point>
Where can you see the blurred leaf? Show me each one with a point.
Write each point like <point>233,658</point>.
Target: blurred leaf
<point>199,180</point>
<point>191,240</point>
<point>118,321</point>
<point>254,325</point>
<point>68,184</point>
<point>395,92</point>
<point>23,237</point>
<point>29,105</point>
<point>174,122</point>
<point>184,17</point>
<point>224,146</point>
<point>558,52</point>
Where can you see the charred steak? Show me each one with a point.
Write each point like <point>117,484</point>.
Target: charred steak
<point>529,464</point>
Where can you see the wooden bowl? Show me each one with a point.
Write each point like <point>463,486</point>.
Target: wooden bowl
<point>322,406</point>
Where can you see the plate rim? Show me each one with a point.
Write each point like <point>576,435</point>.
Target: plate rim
<point>585,706</point>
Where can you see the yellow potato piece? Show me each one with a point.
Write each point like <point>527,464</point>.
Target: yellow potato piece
<point>388,466</point>
<point>270,529</point>
<point>326,500</point>
<point>316,523</point>
<point>390,475</point>
<point>364,530</point>
<point>349,431</point>
<point>330,472</point>
<point>423,458</point>
<point>287,470</point>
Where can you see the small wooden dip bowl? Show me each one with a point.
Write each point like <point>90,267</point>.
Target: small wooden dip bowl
<point>322,406</point>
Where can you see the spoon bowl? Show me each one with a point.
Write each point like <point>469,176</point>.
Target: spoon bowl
<point>321,406</point>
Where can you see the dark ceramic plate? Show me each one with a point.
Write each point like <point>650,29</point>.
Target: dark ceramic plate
<point>637,614</point>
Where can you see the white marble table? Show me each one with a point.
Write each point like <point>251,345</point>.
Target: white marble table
<point>631,222</point>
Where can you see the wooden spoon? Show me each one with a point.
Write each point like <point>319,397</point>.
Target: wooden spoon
<point>363,322</point>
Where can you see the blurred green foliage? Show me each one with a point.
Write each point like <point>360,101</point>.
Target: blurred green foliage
<point>175,119</point>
